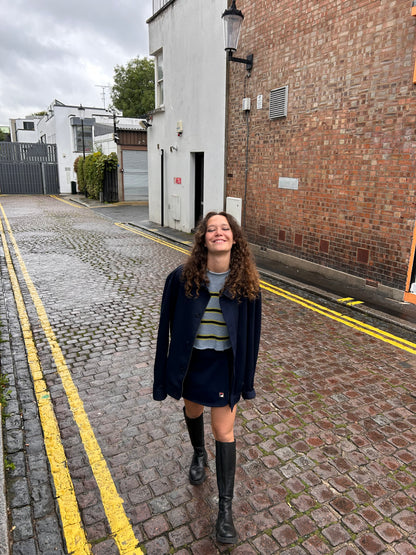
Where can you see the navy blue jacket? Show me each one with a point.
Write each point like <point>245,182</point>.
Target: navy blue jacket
<point>180,317</point>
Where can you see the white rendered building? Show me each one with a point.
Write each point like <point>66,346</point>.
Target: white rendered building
<point>24,130</point>
<point>72,130</point>
<point>186,140</point>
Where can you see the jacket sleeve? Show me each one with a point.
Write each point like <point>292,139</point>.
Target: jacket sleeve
<point>253,342</point>
<point>162,346</point>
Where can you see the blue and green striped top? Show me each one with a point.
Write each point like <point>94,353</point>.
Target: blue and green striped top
<point>213,332</point>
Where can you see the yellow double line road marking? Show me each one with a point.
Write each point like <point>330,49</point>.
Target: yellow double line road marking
<point>346,320</point>
<point>76,540</point>
<point>121,528</point>
<point>153,238</point>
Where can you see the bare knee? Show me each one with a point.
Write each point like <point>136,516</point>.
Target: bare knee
<point>193,410</point>
<point>225,436</point>
<point>222,422</point>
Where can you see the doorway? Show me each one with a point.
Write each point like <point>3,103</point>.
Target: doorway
<point>410,294</point>
<point>199,186</point>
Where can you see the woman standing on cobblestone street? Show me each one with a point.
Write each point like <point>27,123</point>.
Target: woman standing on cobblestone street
<point>207,346</point>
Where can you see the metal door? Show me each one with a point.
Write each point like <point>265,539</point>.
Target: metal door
<point>135,175</point>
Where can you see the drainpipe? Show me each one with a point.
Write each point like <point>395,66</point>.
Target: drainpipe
<point>247,152</point>
<point>226,122</point>
<point>162,186</point>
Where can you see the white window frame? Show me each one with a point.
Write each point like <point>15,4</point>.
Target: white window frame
<point>160,93</point>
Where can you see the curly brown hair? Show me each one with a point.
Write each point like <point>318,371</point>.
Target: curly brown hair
<point>243,279</point>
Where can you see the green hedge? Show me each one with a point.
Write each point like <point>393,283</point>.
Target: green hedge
<point>90,172</point>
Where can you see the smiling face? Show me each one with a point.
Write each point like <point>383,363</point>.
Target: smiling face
<point>218,236</point>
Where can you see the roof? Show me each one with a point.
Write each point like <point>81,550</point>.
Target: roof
<point>129,126</point>
<point>102,129</point>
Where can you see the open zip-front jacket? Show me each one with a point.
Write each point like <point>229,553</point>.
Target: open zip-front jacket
<point>180,317</point>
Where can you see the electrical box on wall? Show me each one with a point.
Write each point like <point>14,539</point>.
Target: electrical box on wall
<point>175,207</point>
<point>179,128</point>
<point>233,206</point>
<point>246,104</point>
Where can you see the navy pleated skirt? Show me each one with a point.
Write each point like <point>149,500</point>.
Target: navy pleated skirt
<point>207,381</point>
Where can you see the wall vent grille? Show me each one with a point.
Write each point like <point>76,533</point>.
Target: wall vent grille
<point>278,102</point>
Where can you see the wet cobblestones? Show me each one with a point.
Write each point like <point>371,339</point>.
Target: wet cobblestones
<point>326,451</point>
<point>34,523</point>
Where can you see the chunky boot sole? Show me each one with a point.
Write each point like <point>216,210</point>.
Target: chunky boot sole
<point>228,541</point>
<point>197,482</point>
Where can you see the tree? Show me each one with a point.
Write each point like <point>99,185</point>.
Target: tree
<point>134,87</point>
<point>5,134</point>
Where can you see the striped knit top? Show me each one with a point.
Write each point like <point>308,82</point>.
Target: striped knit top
<point>213,332</point>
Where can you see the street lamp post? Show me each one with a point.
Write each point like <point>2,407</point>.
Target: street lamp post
<point>81,111</point>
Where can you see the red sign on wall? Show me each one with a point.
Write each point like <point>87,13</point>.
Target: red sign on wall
<point>178,180</point>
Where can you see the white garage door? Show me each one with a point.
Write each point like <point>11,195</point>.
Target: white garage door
<point>135,175</point>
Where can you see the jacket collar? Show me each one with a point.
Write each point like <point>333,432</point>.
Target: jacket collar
<point>225,293</point>
<point>205,289</point>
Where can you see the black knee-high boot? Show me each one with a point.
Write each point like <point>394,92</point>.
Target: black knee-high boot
<point>200,459</point>
<point>225,463</point>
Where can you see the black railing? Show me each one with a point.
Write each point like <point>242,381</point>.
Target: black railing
<point>110,186</point>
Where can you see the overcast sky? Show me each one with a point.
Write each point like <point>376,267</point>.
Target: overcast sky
<point>64,49</point>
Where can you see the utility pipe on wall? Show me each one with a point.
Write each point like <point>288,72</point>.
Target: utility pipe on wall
<point>162,186</point>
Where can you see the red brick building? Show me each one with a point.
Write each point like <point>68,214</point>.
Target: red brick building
<point>333,181</point>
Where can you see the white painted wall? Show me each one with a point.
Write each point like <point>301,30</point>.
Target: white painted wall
<point>105,144</point>
<point>190,32</point>
<point>26,136</point>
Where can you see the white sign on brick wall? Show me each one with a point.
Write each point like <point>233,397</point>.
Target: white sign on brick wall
<point>288,183</point>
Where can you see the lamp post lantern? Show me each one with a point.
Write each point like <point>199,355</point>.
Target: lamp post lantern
<point>233,19</point>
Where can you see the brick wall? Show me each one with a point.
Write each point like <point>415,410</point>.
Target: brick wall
<point>349,136</point>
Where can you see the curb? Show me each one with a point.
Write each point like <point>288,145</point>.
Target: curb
<point>332,298</point>
<point>4,534</point>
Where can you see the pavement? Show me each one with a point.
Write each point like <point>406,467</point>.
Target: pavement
<point>327,450</point>
<point>4,544</point>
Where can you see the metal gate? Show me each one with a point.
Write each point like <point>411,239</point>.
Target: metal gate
<point>135,175</point>
<point>110,186</point>
<point>28,168</point>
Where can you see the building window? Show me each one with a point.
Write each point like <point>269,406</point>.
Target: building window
<point>29,125</point>
<point>78,138</point>
<point>160,101</point>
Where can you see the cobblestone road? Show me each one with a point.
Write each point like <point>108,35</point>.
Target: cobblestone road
<point>326,452</point>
